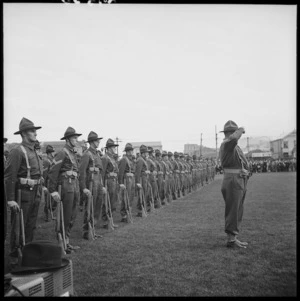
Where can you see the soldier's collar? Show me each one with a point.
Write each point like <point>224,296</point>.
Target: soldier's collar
<point>70,148</point>
<point>92,150</point>
<point>29,145</point>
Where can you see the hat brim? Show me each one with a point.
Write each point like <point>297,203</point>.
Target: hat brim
<point>112,145</point>
<point>23,270</point>
<point>50,151</point>
<point>229,130</point>
<point>26,129</point>
<point>64,138</point>
<point>91,140</point>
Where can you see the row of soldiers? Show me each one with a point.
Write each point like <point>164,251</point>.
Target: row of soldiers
<point>155,177</point>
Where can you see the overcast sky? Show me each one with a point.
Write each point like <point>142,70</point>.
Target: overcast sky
<point>150,72</point>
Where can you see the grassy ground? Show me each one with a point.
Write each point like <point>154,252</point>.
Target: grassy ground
<point>180,249</point>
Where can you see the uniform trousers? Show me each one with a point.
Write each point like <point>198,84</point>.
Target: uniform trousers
<point>130,187</point>
<point>30,202</point>
<point>97,202</point>
<point>233,190</point>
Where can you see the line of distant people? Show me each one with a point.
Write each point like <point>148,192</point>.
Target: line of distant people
<point>267,165</point>
<point>270,165</point>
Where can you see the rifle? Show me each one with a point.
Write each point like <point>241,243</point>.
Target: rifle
<point>60,227</point>
<point>17,229</point>
<point>127,206</point>
<point>142,200</point>
<point>49,203</point>
<point>152,209</point>
<point>89,215</point>
<point>108,210</point>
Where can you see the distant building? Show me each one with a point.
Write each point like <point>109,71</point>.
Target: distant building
<point>154,144</point>
<point>284,147</point>
<point>194,149</point>
<point>58,145</point>
<point>258,154</point>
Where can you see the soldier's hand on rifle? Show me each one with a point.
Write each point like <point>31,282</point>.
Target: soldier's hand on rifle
<point>139,185</point>
<point>55,196</point>
<point>104,190</point>
<point>122,186</point>
<point>86,192</point>
<point>13,205</point>
<point>45,190</point>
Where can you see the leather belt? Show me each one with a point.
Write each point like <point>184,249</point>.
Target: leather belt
<point>29,182</point>
<point>129,174</point>
<point>231,170</point>
<point>94,169</point>
<point>112,175</point>
<point>70,173</point>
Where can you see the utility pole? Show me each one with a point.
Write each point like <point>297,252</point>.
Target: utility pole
<point>117,140</point>
<point>201,145</point>
<point>216,143</point>
<point>248,146</point>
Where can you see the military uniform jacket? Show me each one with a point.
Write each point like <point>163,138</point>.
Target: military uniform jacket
<point>231,154</point>
<point>158,164</point>
<point>141,168</point>
<point>90,159</point>
<point>166,168</point>
<point>126,165</point>
<point>109,166</point>
<point>151,164</point>
<point>65,160</point>
<point>16,167</point>
<point>47,163</point>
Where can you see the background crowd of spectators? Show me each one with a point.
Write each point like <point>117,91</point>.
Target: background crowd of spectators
<point>267,165</point>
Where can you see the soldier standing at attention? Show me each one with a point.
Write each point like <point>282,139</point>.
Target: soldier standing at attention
<point>90,169</point>
<point>24,170</point>
<point>47,164</point>
<point>152,166</point>
<point>172,165</point>
<point>141,176</point>
<point>160,176</point>
<point>167,188</point>
<point>64,172</point>
<point>126,179</point>
<point>236,170</point>
<point>155,187</point>
<point>179,174</point>
<point>110,179</point>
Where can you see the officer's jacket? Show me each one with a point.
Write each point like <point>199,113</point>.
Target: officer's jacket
<point>89,160</point>
<point>141,168</point>
<point>16,167</point>
<point>231,154</point>
<point>126,165</point>
<point>65,160</point>
<point>109,166</point>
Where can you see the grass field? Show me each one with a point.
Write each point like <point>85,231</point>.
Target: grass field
<point>180,249</point>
